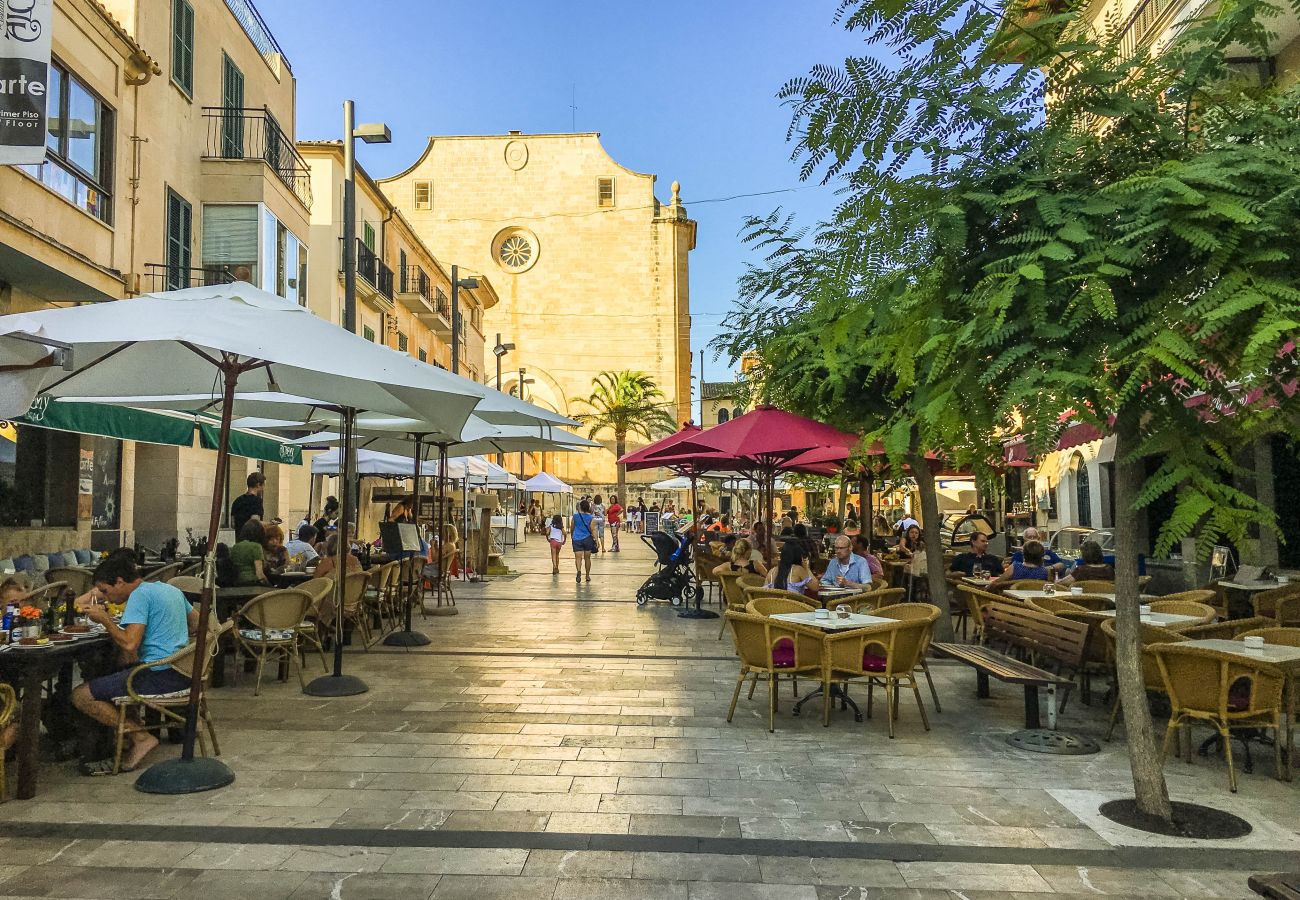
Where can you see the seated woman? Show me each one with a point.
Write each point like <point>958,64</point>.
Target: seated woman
<point>327,561</point>
<point>911,542</point>
<point>275,556</point>
<point>1092,565</point>
<point>742,560</point>
<point>248,556</point>
<point>792,572</point>
<point>1030,567</point>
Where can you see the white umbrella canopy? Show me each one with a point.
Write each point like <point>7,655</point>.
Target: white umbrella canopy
<point>546,483</point>
<point>170,343</point>
<point>372,462</point>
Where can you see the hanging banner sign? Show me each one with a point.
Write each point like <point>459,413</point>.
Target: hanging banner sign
<point>25,27</point>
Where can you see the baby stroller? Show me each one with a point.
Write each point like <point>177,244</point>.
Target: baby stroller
<point>673,581</point>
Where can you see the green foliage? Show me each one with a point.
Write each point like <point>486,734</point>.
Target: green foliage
<point>626,403</point>
<point>1035,226</point>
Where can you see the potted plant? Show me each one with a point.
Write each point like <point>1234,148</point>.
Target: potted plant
<point>831,524</point>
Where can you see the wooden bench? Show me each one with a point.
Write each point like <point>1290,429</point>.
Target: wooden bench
<point>1276,887</point>
<point>1042,638</point>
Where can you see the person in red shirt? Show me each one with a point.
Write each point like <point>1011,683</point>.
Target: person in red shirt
<point>613,516</point>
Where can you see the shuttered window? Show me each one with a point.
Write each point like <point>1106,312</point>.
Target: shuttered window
<point>183,46</point>
<point>424,195</point>
<point>605,192</point>
<point>179,232</point>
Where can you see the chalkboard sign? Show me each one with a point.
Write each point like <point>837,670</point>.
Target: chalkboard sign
<point>651,522</point>
<point>399,537</point>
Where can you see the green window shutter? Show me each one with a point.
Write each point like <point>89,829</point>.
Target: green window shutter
<point>179,244</point>
<point>183,45</point>
<point>368,232</point>
<point>232,98</point>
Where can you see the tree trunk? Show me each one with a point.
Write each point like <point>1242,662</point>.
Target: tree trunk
<point>620,449</point>
<point>844,499</point>
<point>932,527</point>
<point>1144,755</point>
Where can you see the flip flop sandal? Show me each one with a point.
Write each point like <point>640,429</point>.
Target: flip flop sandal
<point>102,767</point>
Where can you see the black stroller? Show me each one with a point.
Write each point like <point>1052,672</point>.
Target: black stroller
<point>673,581</point>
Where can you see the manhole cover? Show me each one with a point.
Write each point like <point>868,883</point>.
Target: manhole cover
<point>1043,740</point>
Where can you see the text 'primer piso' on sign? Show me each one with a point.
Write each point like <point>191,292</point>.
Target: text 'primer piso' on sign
<point>24,79</point>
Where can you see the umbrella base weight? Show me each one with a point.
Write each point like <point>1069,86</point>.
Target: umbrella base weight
<point>335,686</point>
<point>697,614</point>
<point>406,639</point>
<point>182,776</point>
<point>443,611</point>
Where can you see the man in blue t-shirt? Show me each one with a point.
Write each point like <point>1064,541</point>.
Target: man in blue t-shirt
<point>155,623</point>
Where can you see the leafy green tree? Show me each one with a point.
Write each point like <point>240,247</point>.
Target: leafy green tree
<point>625,403</point>
<point>1035,218</point>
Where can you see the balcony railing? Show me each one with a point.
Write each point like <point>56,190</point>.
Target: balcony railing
<point>414,280</point>
<point>162,277</point>
<point>442,305</point>
<point>256,28</point>
<point>1138,27</point>
<point>371,269</point>
<point>254,134</point>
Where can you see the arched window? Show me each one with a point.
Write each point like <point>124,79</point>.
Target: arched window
<point>737,413</point>
<point>723,415</point>
<point>1082,491</point>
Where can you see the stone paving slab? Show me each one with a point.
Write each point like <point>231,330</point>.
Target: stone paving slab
<point>555,740</point>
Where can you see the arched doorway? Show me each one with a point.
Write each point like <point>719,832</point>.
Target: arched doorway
<point>1082,490</point>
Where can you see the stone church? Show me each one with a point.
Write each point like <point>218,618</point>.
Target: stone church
<point>591,268</point>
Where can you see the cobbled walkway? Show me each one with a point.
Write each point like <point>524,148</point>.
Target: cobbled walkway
<point>557,741</point>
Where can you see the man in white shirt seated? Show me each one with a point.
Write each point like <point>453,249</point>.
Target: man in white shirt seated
<point>301,550</point>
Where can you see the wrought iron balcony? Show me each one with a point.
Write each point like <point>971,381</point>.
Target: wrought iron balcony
<point>414,280</point>
<point>163,277</point>
<point>371,270</point>
<point>255,134</point>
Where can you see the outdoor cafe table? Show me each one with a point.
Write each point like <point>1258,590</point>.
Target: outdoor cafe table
<point>832,622</point>
<point>1155,618</point>
<point>1284,657</point>
<point>27,668</point>
<point>1024,594</point>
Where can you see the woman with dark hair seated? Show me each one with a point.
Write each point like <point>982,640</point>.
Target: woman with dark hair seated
<point>248,555</point>
<point>792,572</point>
<point>1092,565</point>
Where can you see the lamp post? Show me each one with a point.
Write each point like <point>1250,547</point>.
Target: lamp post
<point>374,133</point>
<point>499,350</point>
<point>456,284</point>
<point>522,383</point>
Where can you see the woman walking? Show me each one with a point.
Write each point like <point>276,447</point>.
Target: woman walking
<point>555,537</point>
<point>584,540</point>
<point>598,514</point>
<point>614,516</point>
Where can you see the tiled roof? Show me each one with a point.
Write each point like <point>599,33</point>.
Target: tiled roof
<point>718,390</point>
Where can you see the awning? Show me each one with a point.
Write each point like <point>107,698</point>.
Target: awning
<point>118,422</point>
<point>1078,433</point>
<point>252,446</point>
<point>1016,455</point>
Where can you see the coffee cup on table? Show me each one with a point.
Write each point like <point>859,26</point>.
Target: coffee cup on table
<point>1254,642</point>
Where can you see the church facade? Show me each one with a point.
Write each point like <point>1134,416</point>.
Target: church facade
<point>591,269</point>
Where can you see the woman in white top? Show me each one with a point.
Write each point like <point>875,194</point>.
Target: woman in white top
<point>598,522</point>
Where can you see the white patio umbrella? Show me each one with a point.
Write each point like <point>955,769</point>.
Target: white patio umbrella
<point>208,341</point>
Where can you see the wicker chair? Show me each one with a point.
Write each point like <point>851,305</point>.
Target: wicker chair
<point>749,580</point>
<point>1265,602</point>
<point>269,628</point>
<point>1226,630</point>
<point>1090,602</point>
<point>770,606</point>
<point>885,655</point>
<point>1204,613</point>
<point>1220,601</point>
<point>379,594</point>
<point>1148,636</point>
<point>171,706</point>
<point>8,708</point>
<point>976,600</point>
<point>78,580</point>
<point>1098,655</point>
<point>1028,584</point>
<point>1095,586</point>
<point>1054,605</point>
<point>705,563</point>
<point>775,649</point>
<point>166,573</point>
<point>187,584</point>
<point>354,609</point>
<point>870,601</point>
<point>1287,611</point>
<point>1286,637</point>
<point>312,628</point>
<point>752,593</point>
<point>1201,596</point>
<point>911,612</point>
<point>732,595</point>
<point>1223,690</point>
<point>44,596</point>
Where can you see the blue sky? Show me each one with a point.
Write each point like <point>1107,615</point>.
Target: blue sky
<point>682,89</point>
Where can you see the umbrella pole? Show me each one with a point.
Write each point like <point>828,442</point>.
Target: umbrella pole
<point>407,637</point>
<point>443,559</point>
<point>188,775</point>
<point>689,612</point>
<point>337,684</point>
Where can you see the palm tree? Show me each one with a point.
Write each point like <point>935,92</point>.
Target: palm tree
<point>627,402</point>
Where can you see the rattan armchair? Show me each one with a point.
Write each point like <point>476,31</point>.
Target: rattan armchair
<point>1225,630</point>
<point>187,584</point>
<point>1286,637</point>
<point>884,655</point>
<point>1028,584</point>
<point>354,609</point>
<point>47,594</point>
<point>752,593</point>
<point>171,706</point>
<point>270,628</point>
<point>732,595</point>
<point>1266,602</point>
<point>164,574</point>
<point>1203,613</point>
<point>750,580</point>
<point>870,601</point>
<point>78,580</point>
<point>1090,602</point>
<point>774,649</point>
<point>1148,637</point>
<point>1223,690</point>
<point>1287,611</point>
<point>1054,605</point>
<point>1094,586</point>
<point>976,600</point>
<point>911,612</point>
<point>770,606</point>
<point>313,628</point>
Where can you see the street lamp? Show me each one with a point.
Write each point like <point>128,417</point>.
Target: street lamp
<point>373,133</point>
<point>456,284</point>
<point>500,350</point>
<point>523,382</point>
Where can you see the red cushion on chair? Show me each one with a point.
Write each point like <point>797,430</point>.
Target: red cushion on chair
<point>783,654</point>
<point>873,663</point>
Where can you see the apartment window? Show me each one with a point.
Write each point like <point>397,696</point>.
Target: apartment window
<point>232,99</point>
<point>230,241</point>
<point>401,271</point>
<point>79,162</point>
<point>38,478</point>
<point>368,333</point>
<point>368,236</point>
<point>183,46</point>
<point>179,247</point>
<point>402,342</point>
<point>424,195</point>
<point>424,357</point>
<point>605,192</point>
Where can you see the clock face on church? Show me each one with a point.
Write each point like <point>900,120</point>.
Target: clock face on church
<point>515,250</point>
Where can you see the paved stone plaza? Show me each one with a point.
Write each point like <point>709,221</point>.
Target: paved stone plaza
<point>557,741</point>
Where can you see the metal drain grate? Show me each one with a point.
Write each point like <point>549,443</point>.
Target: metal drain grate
<point>1044,740</point>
